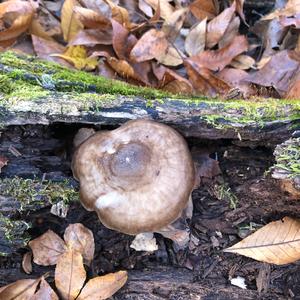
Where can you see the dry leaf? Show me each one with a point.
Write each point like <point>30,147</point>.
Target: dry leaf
<point>217,26</point>
<point>70,274</point>
<point>77,56</point>
<point>231,32</point>
<point>3,162</point>
<point>217,60</point>
<point>277,242</point>
<point>195,41</point>
<point>166,9</point>
<point>202,9</point>
<point>70,25</point>
<point>37,29</point>
<point>47,248</point>
<point>243,62</point>
<point>81,239</point>
<point>103,287</point>
<point>292,8</point>
<point>91,37</point>
<point>26,262</point>
<point>45,292</point>
<point>20,290</point>
<point>149,46</point>
<point>120,14</point>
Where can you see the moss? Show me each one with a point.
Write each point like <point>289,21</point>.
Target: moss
<point>287,157</point>
<point>69,80</point>
<point>34,194</point>
<point>223,192</point>
<point>6,85</point>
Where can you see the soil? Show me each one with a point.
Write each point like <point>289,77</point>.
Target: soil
<point>203,270</point>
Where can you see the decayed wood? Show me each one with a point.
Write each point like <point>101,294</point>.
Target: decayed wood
<point>263,121</point>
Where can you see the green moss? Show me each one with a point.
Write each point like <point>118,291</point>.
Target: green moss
<point>33,194</point>
<point>223,192</point>
<point>69,80</point>
<point>6,84</point>
<point>287,157</point>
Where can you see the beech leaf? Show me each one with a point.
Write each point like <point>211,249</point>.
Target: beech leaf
<point>70,274</point>
<point>81,239</point>
<point>20,290</point>
<point>45,292</point>
<point>103,287</point>
<point>166,9</point>
<point>69,23</point>
<point>277,242</point>
<point>47,248</point>
<point>202,9</point>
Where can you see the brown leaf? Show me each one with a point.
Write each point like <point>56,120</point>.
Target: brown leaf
<point>47,248</point>
<point>202,9</point>
<point>294,88</point>
<point>91,19</point>
<point>195,40</point>
<point>20,290</point>
<point>120,14</point>
<point>91,37</point>
<point>166,9</point>
<point>70,274</point>
<point>149,46</point>
<point>243,62</point>
<point>45,292</point>
<point>277,242</point>
<point>277,72</point>
<point>240,9</point>
<point>80,239</point>
<point>173,24</point>
<point>103,287</point>
<point>3,162</point>
<point>145,8</point>
<point>123,41</point>
<point>37,29</point>
<point>69,23</point>
<point>26,262</point>
<point>217,26</point>
<point>217,60</point>
<point>231,32</point>
<point>292,8</point>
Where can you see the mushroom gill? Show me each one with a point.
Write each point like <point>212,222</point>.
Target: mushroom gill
<point>138,178</point>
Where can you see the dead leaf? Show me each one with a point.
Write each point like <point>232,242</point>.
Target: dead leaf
<point>69,23</point>
<point>3,162</point>
<point>37,29</point>
<point>120,14</point>
<point>103,287</point>
<point>70,274</point>
<point>47,248</point>
<point>202,9</point>
<point>277,242</point>
<point>277,72</point>
<point>20,290</point>
<point>218,25</point>
<point>80,239</point>
<point>173,24</point>
<point>294,87</point>
<point>195,41</point>
<point>77,55</point>
<point>243,62</point>
<point>149,46</point>
<point>26,262</point>
<point>217,60</point>
<point>166,9</point>
<point>145,8</point>
<point>231,32</point>
<point>291,9</point>
<point>45,292</point>
<point>91,19</point>
<point>91,37</point>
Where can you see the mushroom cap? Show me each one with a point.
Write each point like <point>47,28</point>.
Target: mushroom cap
<point>138,178</point>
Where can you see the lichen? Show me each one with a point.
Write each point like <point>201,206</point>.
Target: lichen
<point>34,194</point>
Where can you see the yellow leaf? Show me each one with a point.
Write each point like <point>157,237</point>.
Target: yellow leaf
<point>77,56</point>
<point>69,24</point>
<point>277,243</point>
<point>103,287</point>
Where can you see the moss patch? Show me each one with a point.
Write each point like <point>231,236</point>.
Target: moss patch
<point>34,194</point>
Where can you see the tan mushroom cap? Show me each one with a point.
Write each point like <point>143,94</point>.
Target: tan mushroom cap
<point>138,178</point>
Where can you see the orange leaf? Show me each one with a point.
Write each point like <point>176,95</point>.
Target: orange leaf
<point>47,248</point>
<point>103,287</point>
<point>81,239</point>
<point>120,14</point>
<point>70,274</point>
<point>202,9</point>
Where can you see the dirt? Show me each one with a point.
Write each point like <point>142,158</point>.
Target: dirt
<point>202,269</point>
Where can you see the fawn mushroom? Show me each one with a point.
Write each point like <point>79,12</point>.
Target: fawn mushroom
<point>138,177</point>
